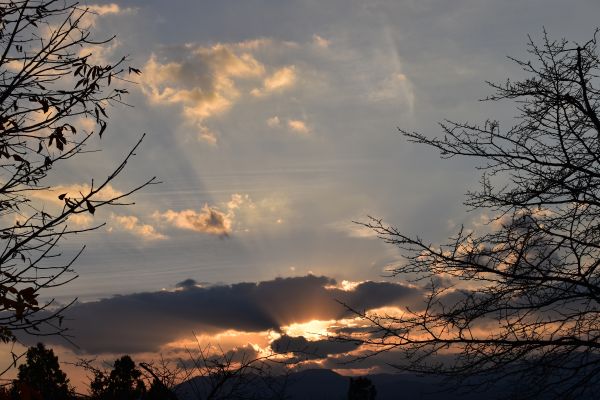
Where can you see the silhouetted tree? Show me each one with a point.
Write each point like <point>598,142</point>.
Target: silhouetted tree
<point>164,380</point>
<point>123,382</point>
<point>361,388</point>
<point>41,377</point>
<point>50,82</point>
<point>520,297</point>
<point>158,391</point>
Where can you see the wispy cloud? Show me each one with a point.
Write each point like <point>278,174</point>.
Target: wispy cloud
<point>320,41</point>
<point>298,126</point>
<point>273,122</point>
<point>280,80</point>
<point>131,223</point>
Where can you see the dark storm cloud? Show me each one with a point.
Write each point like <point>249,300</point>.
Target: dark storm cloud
<point>145,321</point>
<point>186,283</point>
<point>311,349</point>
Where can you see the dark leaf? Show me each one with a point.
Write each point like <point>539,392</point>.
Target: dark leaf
<point>102,128</point>
<point>90,207</point>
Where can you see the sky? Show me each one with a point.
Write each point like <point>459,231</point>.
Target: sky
<point>273,125</point>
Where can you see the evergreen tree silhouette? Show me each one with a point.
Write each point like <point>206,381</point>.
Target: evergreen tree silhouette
<point>41,377</point>
<point>123,383</point>
<point>361,388</point>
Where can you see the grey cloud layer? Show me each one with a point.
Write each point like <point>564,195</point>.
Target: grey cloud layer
<point>311,349</point>
<point>145,321</point>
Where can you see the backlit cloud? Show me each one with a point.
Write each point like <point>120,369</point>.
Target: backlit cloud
<point>202,80</point>
<point>207,220</point>
<point>146,321</point>
<point>311,349</point>
<point>238,214</point>
<point>132,224</point>
<point>94,11</point>
<point>281,79</point>
<point>298,126</point>
<point>103,9</point>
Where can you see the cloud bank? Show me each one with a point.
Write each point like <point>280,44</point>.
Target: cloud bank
<point>143,322</point>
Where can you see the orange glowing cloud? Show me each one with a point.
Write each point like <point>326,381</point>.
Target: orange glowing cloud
<point>207,220</point>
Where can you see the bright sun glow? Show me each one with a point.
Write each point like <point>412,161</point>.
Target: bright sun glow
<point>312,330</point>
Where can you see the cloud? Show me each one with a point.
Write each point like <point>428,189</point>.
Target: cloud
<point>207,135</point>
<point>280,80</point>
<point>311,349</point>
<point>208,81</point>
<point>132,224</point>
<point>146,321</point>
<point>81,219</point>
<point>295,125</point>
<point>208,220</point>
<point>273,122</point>
<point>187,284</point>
<point>102,54</point>
<point>239,214</point>
<point>202,80</point>
<point>103,9</point>
<point>75,191</point>
<point>321,42</point>
<point>95,11</point>
<point>298,126</point>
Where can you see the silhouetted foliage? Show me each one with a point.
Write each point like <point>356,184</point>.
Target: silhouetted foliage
<point>41,377</point>
<point>163,378</point>
<point>123,382</point>
<point>158,391</point>
<point>50,82</point>
<point>520,297</point>
<point>209,373</point>
<point>361,388</point>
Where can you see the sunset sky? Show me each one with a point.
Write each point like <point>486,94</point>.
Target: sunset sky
<point>273,126</point>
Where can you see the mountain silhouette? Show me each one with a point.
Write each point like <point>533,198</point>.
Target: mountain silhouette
<point>324,384</point>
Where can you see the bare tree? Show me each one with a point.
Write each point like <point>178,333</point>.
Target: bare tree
<point>50,81</point>
<point>520,298</point>
<point>211,373</point>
